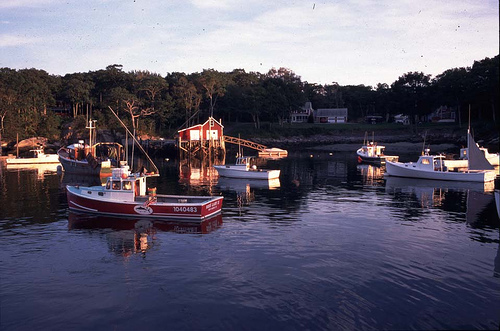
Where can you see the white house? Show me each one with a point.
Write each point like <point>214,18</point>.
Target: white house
<point>302,115</point>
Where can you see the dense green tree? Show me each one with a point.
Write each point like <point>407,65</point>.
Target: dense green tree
<point>485,87</point>
<point>359,100</point>
<point>284,92</point>
<point>165,103</point>
<point>410,93</point>
<point>451,86</point>
<point>76,90</point>
<point>214,85</point>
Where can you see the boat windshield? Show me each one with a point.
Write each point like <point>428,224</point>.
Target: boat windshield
<point>126,185</point>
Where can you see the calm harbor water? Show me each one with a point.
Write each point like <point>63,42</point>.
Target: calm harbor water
<point>331,245</point>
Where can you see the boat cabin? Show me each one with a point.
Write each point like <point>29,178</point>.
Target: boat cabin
<point>243,160</point>
<point>123,184</point>
<point>38,152</point>
<point>373,150</point>
<point>431,163</point>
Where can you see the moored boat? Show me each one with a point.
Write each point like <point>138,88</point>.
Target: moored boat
<point>243,169</point>
<point>433,167</point>
<point>95,159</point>
<point>126,194</point>
<point>82,159</point>
<point>39,158</point>
<point>371,152</point>
<point>492,158</point>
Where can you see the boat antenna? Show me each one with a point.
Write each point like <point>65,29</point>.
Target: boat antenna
<point>423,146</point>
<point>135,139</point>
<point>468,127</point>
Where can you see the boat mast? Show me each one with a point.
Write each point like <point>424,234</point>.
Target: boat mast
<point>135,140</point>
<point>91,128</point>
<point>423,146</point>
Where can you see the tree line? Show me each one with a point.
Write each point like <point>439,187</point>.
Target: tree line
<point>34,102</point>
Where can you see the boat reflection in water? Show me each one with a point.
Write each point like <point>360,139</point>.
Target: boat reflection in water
<point>41,169</point>
<point>371,173</point>
<point>136,235</point>
<point>245,188</point>
<point>242,185</point>
<point>432,193</point>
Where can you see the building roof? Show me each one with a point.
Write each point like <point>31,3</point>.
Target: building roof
<point>331,112</point>
<point>198,125</point>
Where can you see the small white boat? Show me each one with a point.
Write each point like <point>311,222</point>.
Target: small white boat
<point>434,167</point>
<point>242,169</point>
<point>39,158</point>
<point>492,158</point>
<point>373,153</point>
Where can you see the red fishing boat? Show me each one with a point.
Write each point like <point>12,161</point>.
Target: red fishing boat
<point>126,194</point>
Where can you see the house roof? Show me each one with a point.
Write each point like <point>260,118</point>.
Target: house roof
<point>330,112</point>
<point>198,125</point>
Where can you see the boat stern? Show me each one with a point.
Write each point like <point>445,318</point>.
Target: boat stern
<point>212,207</point>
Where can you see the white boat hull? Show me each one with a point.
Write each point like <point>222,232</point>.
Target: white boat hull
<point>240,172</point>
<point>44,159</point>
<point>411,170</point>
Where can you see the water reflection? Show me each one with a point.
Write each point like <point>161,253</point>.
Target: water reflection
<point>83,180</point>
<point>41,170</point>
<point>130,236</point>
<point>372,174</point>
<point>242,185</point>
<point>198,174</point>
<point>245,188</point>
<point>473,198</point>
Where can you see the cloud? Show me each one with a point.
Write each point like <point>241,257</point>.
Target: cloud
<point>12,41</point>
<point>348,41</point>
<point>24,3</point>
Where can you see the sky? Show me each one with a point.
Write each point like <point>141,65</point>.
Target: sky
<point>350,42</point>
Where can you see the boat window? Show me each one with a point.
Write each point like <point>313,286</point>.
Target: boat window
<point>116,185</point>
<point>425,161</point>
<point>108,185</point>
<point>126,185</point>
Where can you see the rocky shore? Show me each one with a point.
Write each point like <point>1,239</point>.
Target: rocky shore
<point>440,142</point>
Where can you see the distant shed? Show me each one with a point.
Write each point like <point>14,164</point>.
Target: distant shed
<point>210,130</point>
<point>203,139</point>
